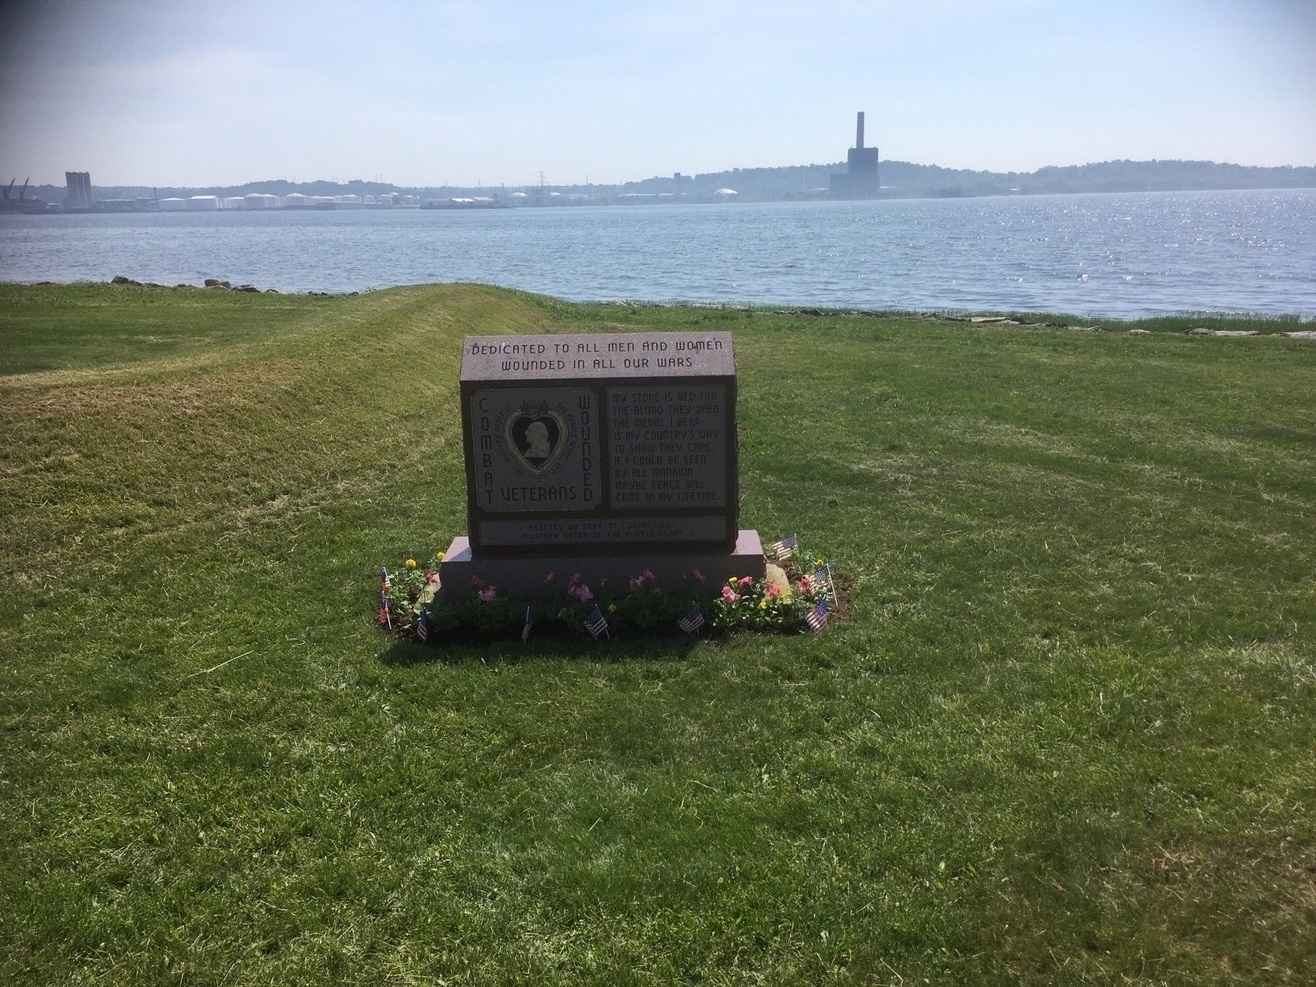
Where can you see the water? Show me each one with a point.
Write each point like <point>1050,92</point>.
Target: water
<point>1111,256</point>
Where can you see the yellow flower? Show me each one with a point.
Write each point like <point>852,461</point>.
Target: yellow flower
<point>439,555</point>
<point>612,608</point>
<point>411,563</point>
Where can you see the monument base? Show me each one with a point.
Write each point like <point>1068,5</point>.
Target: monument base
<point>525,578</point>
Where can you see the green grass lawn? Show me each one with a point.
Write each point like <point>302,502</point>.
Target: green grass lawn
<point>1067,734</point>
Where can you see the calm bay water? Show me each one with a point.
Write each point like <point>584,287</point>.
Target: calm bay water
<point>1112,256</point>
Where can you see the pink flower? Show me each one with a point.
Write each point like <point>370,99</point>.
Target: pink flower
<point>774,592</point>
<point>581,592</point>
<point>488,594</point>
<point>477,581</point>
<point>550,577</point>
<point>746,581</point>
<point>806,585</point>
<point>699,576</point>
<point>729,595</point>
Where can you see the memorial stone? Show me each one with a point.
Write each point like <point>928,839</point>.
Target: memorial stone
<point>604,454</point>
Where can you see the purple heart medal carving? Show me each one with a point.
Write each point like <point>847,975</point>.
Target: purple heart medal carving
<point>536,436</point>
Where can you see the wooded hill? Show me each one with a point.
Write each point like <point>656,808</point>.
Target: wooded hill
<point>904,179</point>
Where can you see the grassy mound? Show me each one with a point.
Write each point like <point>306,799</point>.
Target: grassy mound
<point>1065,735</point>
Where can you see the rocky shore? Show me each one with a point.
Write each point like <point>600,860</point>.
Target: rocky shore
<point>212,284</point>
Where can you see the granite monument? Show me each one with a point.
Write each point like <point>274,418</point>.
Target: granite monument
<point>603,454</point>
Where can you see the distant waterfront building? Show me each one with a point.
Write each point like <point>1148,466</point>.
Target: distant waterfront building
<point>78,184</point>
<point>860,179</point>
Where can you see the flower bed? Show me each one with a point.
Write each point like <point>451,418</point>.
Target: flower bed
<point>798,594</point>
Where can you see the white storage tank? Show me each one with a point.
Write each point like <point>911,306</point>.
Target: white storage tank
<point>203,203</point>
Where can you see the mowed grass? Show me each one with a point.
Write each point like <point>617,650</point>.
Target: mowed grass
<point>1068,734</point>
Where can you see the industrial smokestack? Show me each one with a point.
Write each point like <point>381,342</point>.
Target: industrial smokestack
<point>859,130</point>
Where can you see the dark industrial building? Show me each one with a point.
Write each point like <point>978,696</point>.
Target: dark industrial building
<point>859,181</point>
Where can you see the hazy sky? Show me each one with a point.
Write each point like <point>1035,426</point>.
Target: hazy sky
<point>183,92</point>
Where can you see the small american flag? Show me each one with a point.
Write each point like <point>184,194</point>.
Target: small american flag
<point>817,617</point>
<point>785,548</point>
<point>693,620</point>
<point>824,577</point>
<point>423,627</point>
<point>596,623</point>
<point>529,619</point>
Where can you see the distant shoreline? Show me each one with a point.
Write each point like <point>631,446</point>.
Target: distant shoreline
<point>794,183</point>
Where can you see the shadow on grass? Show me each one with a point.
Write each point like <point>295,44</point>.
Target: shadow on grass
<point>471,648</point>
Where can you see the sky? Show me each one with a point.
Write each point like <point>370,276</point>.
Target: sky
<point>184,93</point>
